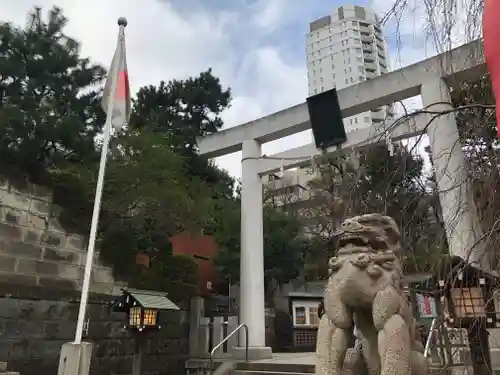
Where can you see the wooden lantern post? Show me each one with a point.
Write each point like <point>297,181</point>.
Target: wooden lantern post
<point>143,309</point>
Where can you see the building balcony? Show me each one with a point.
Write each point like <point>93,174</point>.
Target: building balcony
<point>368,38</point>
<point>367,47</point>
<point>365,28</point>
<point>371,67</point>
<point>369,57</point>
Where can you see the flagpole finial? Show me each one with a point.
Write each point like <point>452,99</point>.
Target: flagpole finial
<point>122,21</point>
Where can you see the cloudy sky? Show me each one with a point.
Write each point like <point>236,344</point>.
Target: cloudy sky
<point>257,47</point>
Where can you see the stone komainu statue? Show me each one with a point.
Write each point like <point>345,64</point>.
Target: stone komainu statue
<point>364,289</point>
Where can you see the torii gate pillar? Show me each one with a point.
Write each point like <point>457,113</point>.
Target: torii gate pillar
<point>252,305</point>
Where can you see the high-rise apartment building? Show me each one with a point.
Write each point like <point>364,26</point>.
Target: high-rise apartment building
<point>346,48</point>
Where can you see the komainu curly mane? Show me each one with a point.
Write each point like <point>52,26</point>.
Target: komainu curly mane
<point>364,289</point>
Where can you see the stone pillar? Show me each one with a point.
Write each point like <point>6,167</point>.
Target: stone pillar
<point>459,211</point>
<point>218,335</point>
<point>75,359</point>
<point>252,249</point>
<point>196,313</point>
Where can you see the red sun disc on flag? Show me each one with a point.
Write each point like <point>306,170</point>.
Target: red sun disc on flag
<point>122,86</point>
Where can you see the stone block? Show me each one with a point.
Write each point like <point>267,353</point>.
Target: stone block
<point>53,238</point>
<point>7,263</point>
<point>102,275</point>
<point>14,349</point>
<point>76,242</point>
<point>32,235</point>
<point>21,249</point>
<point>59,330</point>
<point>101,288</point>
<point>11,278</point>
<point>54,225</point>
<point>98,312</point>
<point>11,308</point>
<point>41,193</point>
<point>15,217</point>
<point>38,310</point>
<point>171,317</point>
<point>99,329</point>
<point>36,221</point>
<point>37,267</point>
<point>11,232</point>
<point>35,310</point>
<point>17,201</point>
<point>57,284</point>
<point>4,183</point>
<point>163,346</point>
<point>34,366</point>
<point>19,328</point>
<point>97,259</point>
<point>117,330</point>
<point>117,287</point>
<point>3,192</point>
<point>20,188</point>
<point>112,364</point>
<point>53,254</point>
<point>66,271</point>
<point>55,211</point>
<point>40,207</point>
<point>45,348</point>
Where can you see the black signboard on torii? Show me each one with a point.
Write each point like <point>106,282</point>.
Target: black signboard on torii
<point>326,119</point>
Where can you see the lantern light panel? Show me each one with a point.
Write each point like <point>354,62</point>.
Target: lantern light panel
<point>135,317</point>
<point>468,302</point>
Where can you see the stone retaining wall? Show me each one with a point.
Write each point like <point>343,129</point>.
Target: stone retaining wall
<point>32,332</point>
<point>35,250</point>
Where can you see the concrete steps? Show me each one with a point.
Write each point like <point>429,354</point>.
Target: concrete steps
<point>270,368</point>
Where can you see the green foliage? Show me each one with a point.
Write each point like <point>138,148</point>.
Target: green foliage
<point>49,107</point>
<point>173,274</point>
<point>155,183</point>
<point>283,247</point>
<point>182,110</point>
<point>148,197</point>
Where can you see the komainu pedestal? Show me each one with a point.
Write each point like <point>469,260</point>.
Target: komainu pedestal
<point>365,290</point>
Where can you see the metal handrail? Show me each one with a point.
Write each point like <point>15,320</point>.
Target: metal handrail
<point>432,330</point>
<point>242,325</point>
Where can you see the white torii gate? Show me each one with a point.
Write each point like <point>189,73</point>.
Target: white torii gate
<point>430,78</point>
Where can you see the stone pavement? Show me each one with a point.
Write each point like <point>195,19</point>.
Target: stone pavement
<point>292,358</point>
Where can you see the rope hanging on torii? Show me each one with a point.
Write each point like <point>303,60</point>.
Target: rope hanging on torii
<point>491,36</point>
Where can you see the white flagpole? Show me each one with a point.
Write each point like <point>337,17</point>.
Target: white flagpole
<point>122,22</point>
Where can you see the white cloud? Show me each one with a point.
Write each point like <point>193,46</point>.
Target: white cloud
<point>164,43</point>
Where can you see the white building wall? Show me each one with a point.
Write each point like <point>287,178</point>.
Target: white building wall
<point>345,48</point>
